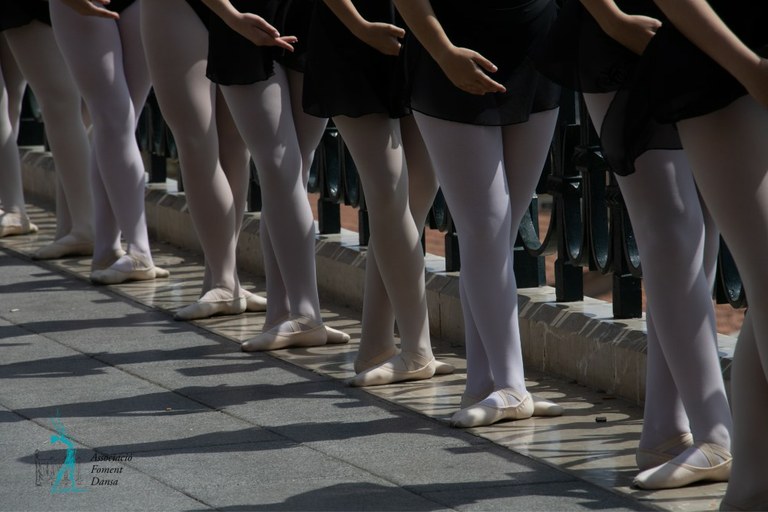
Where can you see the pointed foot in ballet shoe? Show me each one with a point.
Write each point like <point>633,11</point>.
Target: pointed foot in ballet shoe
<point>543,408</point>
<point>648,458</point>
<point>298,332</point>
<point>127,268</point>
<point>500,405</point>
<point>443,368</point>
<point>361,365</point>
<point>336,337</point>
<point>254,303</point>
<point>60,249</point>
<point>672,475</point>
<point>399,368</point>
<point>14,224</point>
<point>106,261</point>
<point>215,302</point>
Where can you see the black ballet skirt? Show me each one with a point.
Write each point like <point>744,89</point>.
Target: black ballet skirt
<point>346,77</point>
<point>674,80</point>
<point>202,11</point>
<point>580,56</point>
<point>17,13</point>
<point>507,32</point>
<point>233,59</point>
<point>117,5</point>
<point>293,18</point>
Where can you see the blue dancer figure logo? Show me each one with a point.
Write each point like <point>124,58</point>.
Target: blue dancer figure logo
<point>67,469</point>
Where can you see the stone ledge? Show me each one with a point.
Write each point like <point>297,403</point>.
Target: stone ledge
<point>579,341</point>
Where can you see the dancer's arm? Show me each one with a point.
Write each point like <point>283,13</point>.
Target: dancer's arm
<point>631,31</point>
<point>86,8</point>
<point>384,37</point>
<point>701,24</point>
<point>251,26</point>
<point>462,66</point>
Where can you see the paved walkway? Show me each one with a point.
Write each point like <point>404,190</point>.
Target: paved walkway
<point>186,421</point>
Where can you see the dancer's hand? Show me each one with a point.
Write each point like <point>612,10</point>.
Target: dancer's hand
<point>87,8</point>
<point>634,32</point>
<point>756,81</point>
<point>384,37</point>
<point>258,31</point>
<point>464,68</point>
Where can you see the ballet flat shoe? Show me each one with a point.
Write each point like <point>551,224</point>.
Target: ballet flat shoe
<point>671,475</point>
<point>56,250</point>
<point>254,303</point>
<point>394,369</point>
<point>481,414</point>
<point>25,228</point>
<point>204,308</point>
<point>648,458</point>
<point>139,272</point>
<point>441,368</point>
<point>362,365</point>
<point>303,333</point>
<point>108,261</point>
<point>542,408</point>
<point>336,337</point>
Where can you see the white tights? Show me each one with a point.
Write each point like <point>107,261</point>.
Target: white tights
<point>375,143</point>
<point>488,176</point>
<point>684,385</point>
<point>107,60</point>
<point>259,111</point>
<point>12,86</point>
<point>177,47</point>
<point>378,312</point>
<point>309,131</point>
<point>729,157</point>
<point>34,48</point>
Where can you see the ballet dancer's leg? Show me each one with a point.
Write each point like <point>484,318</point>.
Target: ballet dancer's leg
<point>470,166</point>
<point>177,47</point>
<point>377,343</point>
<point>15,83</point>
<point>730,162</point>
<point>309,131</point>
<point>13,216</point>
<point>685,389</point>
<point>41,62</point>
<point>262,113</point>
<point>235,161</point>
<point>106,59</point>
<point>374,141</point>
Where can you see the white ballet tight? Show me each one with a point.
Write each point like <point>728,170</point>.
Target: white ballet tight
<point>177,48</point>
<point>41,63</point>
<point>107,60</point>
<point>378,313</point>
<point>684,385</point>
<point>729,158</point>
<point>309,131</point>
<point>12,86</point>
<point>375,143</point>
<point>259,111</point>
<point>488,176</point>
